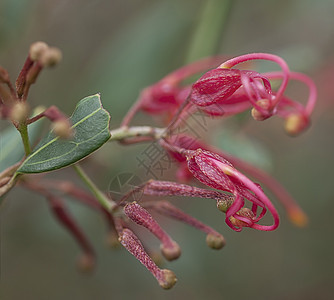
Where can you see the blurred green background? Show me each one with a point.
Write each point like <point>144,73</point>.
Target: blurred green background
<point>118,47</point>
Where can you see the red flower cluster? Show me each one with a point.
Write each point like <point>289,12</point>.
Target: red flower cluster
<point>221,92</point>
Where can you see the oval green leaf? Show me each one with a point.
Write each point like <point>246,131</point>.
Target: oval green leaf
<point>91,130</point>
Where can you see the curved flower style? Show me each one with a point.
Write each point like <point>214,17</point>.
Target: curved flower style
<point>216,172</point>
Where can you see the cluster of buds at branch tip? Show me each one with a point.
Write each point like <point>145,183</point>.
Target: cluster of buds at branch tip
<point>40,56</point>
<point>13,103</point>
<point>47,56</point>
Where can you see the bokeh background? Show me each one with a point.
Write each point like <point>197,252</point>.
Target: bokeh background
<point>118,47</point>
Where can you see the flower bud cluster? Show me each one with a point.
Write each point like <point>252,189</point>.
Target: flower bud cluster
<point>13,104</point>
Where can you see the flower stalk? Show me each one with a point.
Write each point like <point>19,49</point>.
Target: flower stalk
<point>108,204</point>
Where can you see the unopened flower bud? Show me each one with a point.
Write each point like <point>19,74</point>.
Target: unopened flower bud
<point>168,279</point>
<point>37,49</point>
<point>19,112</point>
<point>257,115</point>
<point>172,251</point>
<point>86,263</point>
<point>50,57</point>
<point>295,124</point>
<point>62,128</point>
<point>243,212</point>
<point>215,241</point>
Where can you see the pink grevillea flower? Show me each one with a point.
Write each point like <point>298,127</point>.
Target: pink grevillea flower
<point>221,83</point>
<point>129,240</point>
<point>226,91</point>
<point>181,141</point>
<point>214,171</point>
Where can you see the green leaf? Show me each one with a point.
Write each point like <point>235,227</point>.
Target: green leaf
<point>91,130</point>
<point>11,147</point>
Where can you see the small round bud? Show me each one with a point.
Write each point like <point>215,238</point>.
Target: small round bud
<point>19,112</point>
<point>86,263</point>
<point>169,279</point>
<point>215,241</point>
<point>171,252</point>
<point>62,128</point>
<point>50,57</point>
<point>295,124</point>
<point>37,49</point>
<point>257,115</point>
